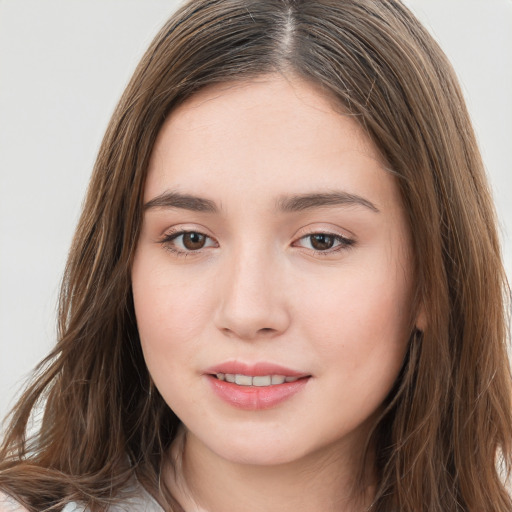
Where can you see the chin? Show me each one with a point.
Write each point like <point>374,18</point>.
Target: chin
<point>259,455</point>
<point>258,447</point>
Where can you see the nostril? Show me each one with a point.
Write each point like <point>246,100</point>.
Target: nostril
<point>250,321</point>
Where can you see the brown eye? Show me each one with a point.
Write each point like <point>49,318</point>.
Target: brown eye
<point>187,242</point>
<point>193,241</point>
<point>322,241</point>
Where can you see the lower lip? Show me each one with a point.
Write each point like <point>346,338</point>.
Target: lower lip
<point>253,398</point>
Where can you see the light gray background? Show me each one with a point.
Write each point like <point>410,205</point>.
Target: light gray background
<point>64,64</point>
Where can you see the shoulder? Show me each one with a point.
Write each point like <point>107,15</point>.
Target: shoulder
<point>143,502</point>
<point>8,504</point>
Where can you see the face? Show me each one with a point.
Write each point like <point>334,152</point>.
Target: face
<point>274,253</point>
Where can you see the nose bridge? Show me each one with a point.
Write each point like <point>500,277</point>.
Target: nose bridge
<point>252,301</point>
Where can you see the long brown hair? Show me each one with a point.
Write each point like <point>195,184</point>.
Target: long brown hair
<point>444,441</point>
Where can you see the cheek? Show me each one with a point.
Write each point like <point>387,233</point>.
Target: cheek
<point>359,320</point>
<point>170,320</point>
<point>171,310</point>
<point>360,344</point>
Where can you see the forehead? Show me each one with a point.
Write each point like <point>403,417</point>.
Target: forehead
<point>287,106</point>
<point>262,135</point>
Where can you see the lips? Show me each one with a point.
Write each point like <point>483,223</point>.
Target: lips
<point>255,386</point>
<point>254,370</point>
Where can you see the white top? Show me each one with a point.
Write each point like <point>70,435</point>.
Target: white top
<point>142,503</point>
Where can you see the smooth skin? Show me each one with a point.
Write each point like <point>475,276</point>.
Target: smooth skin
<point>272,233</point>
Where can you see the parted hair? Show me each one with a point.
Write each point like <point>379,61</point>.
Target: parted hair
<point>443,442</point>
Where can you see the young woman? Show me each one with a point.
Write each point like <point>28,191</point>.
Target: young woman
<point>285,290</point>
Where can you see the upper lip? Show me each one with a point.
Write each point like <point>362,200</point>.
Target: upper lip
<point>253,369</point>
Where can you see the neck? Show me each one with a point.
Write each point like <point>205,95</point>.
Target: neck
<point>326,480</point>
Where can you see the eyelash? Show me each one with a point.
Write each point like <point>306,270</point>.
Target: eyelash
<point>342,241</point>
<point>168,242</point>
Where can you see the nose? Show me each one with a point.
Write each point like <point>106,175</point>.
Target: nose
<point>252,298</point>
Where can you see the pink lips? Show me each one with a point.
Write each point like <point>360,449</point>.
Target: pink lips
<point>254,397</point>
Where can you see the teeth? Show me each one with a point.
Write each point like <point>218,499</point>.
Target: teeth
<point>265,380</point>
<point>243,380</point>
<point>258,381</point>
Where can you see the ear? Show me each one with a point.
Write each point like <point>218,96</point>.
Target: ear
<point>421,318</point>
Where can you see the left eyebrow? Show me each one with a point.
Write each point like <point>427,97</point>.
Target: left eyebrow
<point>302,202</point>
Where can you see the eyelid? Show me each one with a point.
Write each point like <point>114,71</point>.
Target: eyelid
<point>326,229</point>
<point>185,228</point>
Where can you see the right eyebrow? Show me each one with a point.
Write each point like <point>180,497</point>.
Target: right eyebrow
<point>173,199</point>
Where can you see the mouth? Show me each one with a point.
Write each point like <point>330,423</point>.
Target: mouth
<point>255,386</point>
<point>260,381</point>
